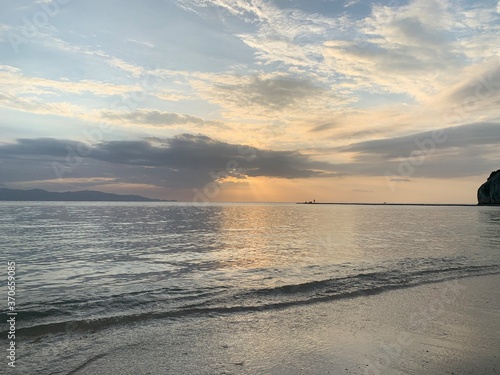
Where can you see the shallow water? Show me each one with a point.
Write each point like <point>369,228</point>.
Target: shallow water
<point>88,267</point>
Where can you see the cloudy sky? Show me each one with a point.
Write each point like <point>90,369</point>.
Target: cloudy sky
<point>255,100</point>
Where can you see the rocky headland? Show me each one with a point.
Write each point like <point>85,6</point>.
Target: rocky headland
<point>489,192</point>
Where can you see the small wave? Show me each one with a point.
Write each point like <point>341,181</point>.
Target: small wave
<point>362,284</point>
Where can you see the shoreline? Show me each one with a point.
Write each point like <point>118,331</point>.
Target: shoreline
<point>447,327</point>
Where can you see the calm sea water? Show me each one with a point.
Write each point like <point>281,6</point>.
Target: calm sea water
<point>88,267</point>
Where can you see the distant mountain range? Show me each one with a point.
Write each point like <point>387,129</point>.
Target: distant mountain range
<point>77,196</point>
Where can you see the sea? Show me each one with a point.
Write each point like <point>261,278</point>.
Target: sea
<point>84,268</point>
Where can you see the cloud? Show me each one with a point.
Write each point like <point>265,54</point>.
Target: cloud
<point>39,95</point>
<point>183,161</point>
<point>37,147</point>
<point>3,32</point>
<point>460,151</point>
<point>451,152</point>
<point>190,161</point>
<point>199,152</point>
<point>417,49</point>
<point>478,90</point>
<point>11,101</point>
<point>14,82</point>
<point>115,62</point>
<point>281,36</point>
<point>158,118</point>
<point>263,98</point>
<point>147,44</point>
<point>350,3</point>
<point>276,93</point>
<point>452,138</point>
<point>27,104</point>
<point>323,127</point>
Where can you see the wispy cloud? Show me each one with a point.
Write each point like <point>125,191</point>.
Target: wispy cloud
<point>275,94</point>
<point>478,90</point>
<point>38,107</point>
<point>350,3</point>
<point>13,81</point>
<point>158,118</point>
<point>458,137</point>
<point>147,44</point>
<point>92,52</point>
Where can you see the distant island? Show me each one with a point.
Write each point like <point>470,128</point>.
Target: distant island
<point>70,196</point>
<point>489,192</point>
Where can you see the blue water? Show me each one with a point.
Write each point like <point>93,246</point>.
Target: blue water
<point>86,267</point>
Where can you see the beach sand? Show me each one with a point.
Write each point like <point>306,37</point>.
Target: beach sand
<point>451,327</point>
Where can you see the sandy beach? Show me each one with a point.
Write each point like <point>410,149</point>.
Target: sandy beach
<point>450,327</point>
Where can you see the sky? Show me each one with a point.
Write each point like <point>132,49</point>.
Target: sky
<point>258,100</point>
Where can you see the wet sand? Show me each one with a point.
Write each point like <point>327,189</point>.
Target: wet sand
<point>450,327</point>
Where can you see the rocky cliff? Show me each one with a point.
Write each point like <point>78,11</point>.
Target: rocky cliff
<point>489,192</point>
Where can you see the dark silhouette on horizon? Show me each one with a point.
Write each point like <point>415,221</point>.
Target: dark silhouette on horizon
<point>489,192</point>
<point>68,196</point>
